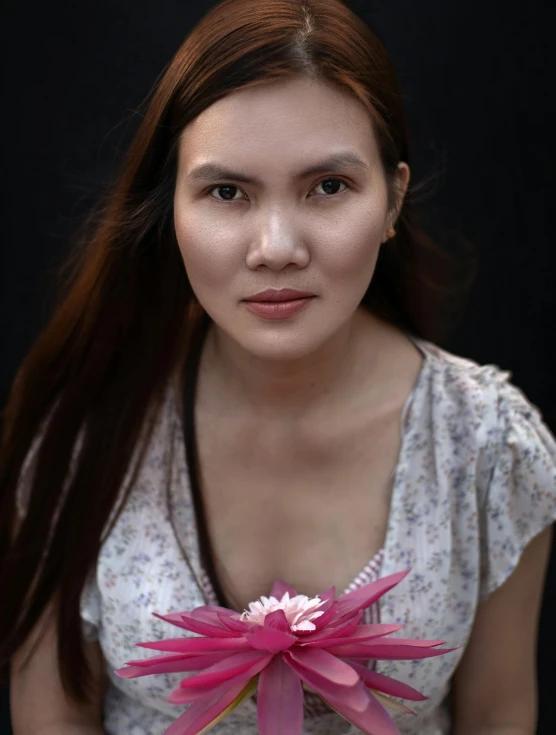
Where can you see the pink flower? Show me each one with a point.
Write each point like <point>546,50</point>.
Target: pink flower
<point>279,646</point>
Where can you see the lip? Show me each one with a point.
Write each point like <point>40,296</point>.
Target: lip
<point>273,295</point>
<point>278,309</point>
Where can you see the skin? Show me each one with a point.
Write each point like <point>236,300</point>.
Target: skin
<point>284,232</point>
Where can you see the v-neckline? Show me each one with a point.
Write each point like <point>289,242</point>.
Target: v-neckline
<point>374,564</point>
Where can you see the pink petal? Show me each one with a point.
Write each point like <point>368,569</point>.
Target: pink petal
<point>162,658</point>
<point>391,704</point>
<point>373,720</point>
<point>329,616</point>
<point>326,665</point>
<point>173,619</point>
<point>210,613</point>
<point>269,639</point>
<point>328,598</point>
<point>190,645</point>
<point>174,665</point>
<point>359,599</point>
<point>205,714</point>
<point>279,700</point>
<point>234,624</point>
<point>235,665</point>
<point>348,633</point>
<point>355,695</point>
<point>203,614</point>
<point>386,684</point>
<point>279,588</point>
<point>365,596</point>
<point>384,652</point>
<point>419,642</point>
<point>208,629</point>
<point>337,616</point>
<point>334,630</point>
<point>278,621</point>
<point>185,621</point>
<point>188,696</point>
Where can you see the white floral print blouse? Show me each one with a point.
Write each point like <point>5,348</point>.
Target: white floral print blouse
<point>474,483</point>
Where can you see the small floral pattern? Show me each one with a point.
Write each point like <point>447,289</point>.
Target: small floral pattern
<point>474,483</point>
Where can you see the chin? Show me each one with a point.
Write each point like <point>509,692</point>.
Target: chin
<point>284,345</point>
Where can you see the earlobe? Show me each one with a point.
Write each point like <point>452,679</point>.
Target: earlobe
<point>404,175</point>
<point>402,182</point>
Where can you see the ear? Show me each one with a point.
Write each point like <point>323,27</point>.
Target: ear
<point>400,184</point>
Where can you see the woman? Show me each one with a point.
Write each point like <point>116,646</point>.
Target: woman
<point>240,383</point>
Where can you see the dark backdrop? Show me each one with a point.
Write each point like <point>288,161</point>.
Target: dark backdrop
<point>477,76</point>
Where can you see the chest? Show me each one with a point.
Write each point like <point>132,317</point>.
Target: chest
<point>310,507</point>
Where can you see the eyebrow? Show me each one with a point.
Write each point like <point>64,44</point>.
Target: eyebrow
<point>215,172</point>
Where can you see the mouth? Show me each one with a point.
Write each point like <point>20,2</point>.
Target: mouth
<point>282,308</point>
<point>278,296</point>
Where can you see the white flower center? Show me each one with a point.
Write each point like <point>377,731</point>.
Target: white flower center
<point>300,610</point>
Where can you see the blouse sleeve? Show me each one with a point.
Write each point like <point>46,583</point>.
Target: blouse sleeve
<point>520,498</point>
<point>90,597</point>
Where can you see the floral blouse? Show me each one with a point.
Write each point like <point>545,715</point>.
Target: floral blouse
<point>474,483</point>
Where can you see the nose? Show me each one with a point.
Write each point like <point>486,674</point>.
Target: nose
<point>277,243</point>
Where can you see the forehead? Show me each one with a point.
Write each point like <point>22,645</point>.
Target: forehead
<point>277,124</point>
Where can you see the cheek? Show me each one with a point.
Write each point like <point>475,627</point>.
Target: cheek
<point>209,255</point>
<point>352,247</point>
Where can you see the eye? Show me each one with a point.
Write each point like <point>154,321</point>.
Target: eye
<point>228,189</point>
<point>326,186</point>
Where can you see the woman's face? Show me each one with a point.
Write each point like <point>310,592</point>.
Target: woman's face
<point>281,187</point>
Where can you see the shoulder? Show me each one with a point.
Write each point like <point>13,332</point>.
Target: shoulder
<point>480,394</point>
<point>485,425</point>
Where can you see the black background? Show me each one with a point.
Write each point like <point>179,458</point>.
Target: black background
<point>478,79</point>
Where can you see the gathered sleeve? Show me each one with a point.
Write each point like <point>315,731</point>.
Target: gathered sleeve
<point>520,497</point>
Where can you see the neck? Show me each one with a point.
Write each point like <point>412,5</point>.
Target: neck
<point>287,389</point>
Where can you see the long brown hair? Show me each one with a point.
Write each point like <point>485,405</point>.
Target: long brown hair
<point>126,319</point>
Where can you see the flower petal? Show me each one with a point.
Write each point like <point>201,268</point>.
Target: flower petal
<point>350,633</point>
<point>182,695</point>
<point>327,598</point>
<point>203,715</point>
<point>391,704</point>
<point>326,665</point>
<point>235,624</point>
<point>373,720</point>
<point>279,700</point>
<point>187,622</point>
<point>196,646</point>
<point>355,696</point>
<point>366,595</point>
<point>348,604</point>
<point>329,616</point>
<point>278,621</point>
<point>328,679</point>
<point>383,652</point>
<point>239,663</point>
<point>335,630</point>
<point>210,613</point>
<point>269,639</point>
<point>383,683</point>
<point>173,665</point>
<point>207,629</point>
<point>280,587</point>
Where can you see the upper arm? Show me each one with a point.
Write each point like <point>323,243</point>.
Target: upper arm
<point>37,699</point>
<point>495,682</point>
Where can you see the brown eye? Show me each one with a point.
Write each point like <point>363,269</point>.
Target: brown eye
<point>330,186</point>
<point>227,192</point>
